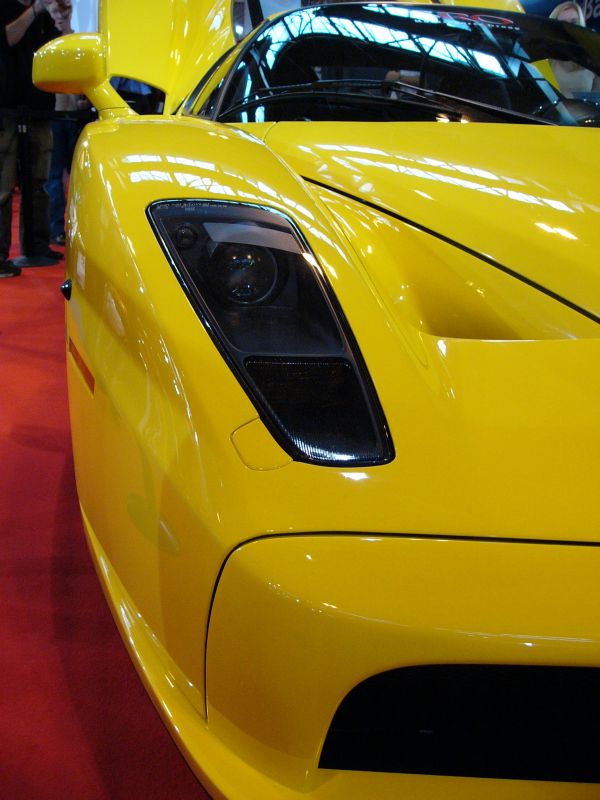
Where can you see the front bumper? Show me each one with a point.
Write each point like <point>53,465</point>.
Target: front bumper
<point>297,622</point>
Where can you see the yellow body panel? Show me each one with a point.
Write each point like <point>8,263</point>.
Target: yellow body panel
<point>469,183</point>
<point>472,458</point>
<point>465,267</point>
<point>342,608</point>
<point>226,757</point>
<point>76,64</point>
<point>174,44</point>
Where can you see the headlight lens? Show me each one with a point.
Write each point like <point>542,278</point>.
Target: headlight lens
<point>242,274</point>
<point>261,296</point>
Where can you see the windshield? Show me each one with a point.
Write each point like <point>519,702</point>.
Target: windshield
<point>389,62</point>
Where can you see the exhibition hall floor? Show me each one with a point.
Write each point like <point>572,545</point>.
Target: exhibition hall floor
<point>75,721</point>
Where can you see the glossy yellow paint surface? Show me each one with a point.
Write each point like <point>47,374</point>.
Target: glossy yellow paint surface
<point>341,608</point>
<point>67,60</point>
<point>226,751</point>
<point>202,526</point>
<point>174,44</point>
<point>494,437</point>
<point>76,64</point>
<point>468,183</point>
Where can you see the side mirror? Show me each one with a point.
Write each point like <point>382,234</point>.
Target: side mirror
<point>70,64</point>
<point>76,64</point>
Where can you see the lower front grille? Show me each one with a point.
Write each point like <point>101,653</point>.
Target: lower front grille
<point>529,723</point>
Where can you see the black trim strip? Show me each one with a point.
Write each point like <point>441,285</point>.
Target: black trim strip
<point>573,306</point>
<point>446,537</point>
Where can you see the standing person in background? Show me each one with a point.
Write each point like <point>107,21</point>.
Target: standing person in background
<point>572,78</point>
<point>65,130</point>
<point>569,11</point>
<point>24,27</point>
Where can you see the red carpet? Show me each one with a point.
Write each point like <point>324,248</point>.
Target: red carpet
<point>75,722</point>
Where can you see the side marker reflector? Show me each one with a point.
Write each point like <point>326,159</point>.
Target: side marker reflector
<point>83,368</point>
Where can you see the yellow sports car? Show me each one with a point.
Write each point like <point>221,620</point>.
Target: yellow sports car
<point>333,361</point>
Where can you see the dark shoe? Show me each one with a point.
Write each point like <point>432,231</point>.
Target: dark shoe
<point>59,240</point>
<point>49,259</point>
<point>49,254</point>
<point>8,270</point>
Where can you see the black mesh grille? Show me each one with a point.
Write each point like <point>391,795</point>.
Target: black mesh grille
<point>531,723</point>
<point>321,406</point>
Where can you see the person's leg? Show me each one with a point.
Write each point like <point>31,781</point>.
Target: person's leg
<point>8,180</point>
<point>71,131</point>
<point>40,156</point>
<point>55,186</point>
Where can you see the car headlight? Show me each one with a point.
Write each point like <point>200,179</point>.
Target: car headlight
<point>265,302</point>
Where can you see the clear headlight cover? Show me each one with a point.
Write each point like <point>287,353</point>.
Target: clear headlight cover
<point>265,302</point>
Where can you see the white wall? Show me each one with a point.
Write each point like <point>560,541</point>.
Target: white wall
<point>84,18</point>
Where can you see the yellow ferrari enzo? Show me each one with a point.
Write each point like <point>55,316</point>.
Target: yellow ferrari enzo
<point>333,358</point>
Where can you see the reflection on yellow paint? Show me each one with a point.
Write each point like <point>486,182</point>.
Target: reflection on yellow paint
<point>150,175</point>
<point>560,231</point>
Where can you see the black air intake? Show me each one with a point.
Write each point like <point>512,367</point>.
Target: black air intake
<point>531,723</point>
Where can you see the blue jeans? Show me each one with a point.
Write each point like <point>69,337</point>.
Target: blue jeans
<point>65,133</point>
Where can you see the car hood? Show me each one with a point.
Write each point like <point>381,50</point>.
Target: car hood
<point>495,436</point>
<point>523,197</point>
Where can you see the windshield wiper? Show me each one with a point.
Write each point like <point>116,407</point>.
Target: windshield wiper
<point>349,90</point>
<point>388,92</point>
<point>407,90</point>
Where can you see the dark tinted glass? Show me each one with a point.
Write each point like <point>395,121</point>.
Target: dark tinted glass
<point>382,62</point>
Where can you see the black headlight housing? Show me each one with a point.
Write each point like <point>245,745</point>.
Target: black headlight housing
<point>264,300</point>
